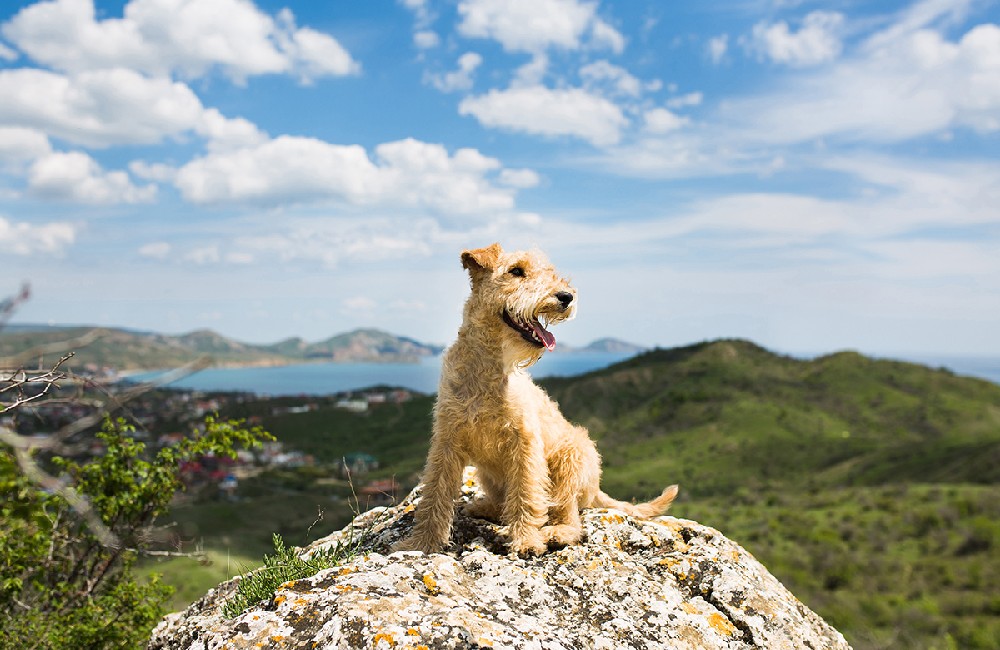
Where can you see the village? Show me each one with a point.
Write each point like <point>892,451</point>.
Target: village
<point>165,417</point>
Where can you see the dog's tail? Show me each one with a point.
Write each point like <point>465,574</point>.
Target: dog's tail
<point>652,508</point>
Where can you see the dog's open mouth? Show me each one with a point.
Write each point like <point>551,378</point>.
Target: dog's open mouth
<point>531,331</point>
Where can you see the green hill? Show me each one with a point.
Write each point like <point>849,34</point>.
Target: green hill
<point>870,487</point>
<point>728,414</point>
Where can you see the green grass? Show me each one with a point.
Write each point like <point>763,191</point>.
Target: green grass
<point>192,578</point>
<point>906,566</point>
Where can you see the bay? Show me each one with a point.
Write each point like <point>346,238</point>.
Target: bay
<point>330,378</point>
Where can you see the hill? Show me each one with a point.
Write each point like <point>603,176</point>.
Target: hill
<point>712,411</point>
<point>124,349</point>
<point>871,488</point>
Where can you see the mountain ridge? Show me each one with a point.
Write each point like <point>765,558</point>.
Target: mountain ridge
<point>130,349</point>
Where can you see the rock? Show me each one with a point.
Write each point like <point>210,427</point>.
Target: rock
<point>633,583</point>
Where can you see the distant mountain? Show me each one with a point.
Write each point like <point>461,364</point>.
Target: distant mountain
<point>613,346</point>
<point>132,350</point>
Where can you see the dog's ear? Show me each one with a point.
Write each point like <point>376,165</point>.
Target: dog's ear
<point>481,259</point>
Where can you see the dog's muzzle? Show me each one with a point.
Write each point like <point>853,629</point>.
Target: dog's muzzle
<point>531,331</point>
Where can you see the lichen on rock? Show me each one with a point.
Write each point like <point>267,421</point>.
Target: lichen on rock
<point>631,583</point>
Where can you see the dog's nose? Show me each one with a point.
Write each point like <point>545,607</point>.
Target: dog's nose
<point>564,298</point>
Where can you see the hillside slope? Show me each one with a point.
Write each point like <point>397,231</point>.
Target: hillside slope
<point>728,414</point>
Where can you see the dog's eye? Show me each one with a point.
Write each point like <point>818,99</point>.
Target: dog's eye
<point>516,271</point>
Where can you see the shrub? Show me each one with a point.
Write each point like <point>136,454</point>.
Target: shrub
<point>64,586</point>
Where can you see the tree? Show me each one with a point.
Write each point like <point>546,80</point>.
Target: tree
<point>71,531</point>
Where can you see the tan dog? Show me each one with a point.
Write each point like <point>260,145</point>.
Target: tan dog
<point>537,470</point>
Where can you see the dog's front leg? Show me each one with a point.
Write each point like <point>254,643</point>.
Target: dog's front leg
<point>525,506</point>
<point>442,483</point>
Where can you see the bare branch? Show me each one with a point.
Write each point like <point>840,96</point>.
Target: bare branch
<point>9,305</point>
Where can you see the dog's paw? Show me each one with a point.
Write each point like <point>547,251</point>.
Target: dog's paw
<point>528,542</point>
<point>562,534</point>
<point>414,543</point>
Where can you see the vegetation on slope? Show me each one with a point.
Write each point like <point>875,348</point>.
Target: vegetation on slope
<point>869,487</point>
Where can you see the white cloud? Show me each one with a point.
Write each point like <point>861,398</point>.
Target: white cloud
<point>554,112</point>
<point>158,172</point>
<point>613,79</point>
<point>292,169</point>
<point>661,120</point>
<point>717,47</point>
<point>460,79</point>
<point>817,41</point>
<point>75,176</point>
<point>107,107</point>
<point>20,238</point>
<point>7,54</point>
<point>519,178</point>
<point>605,36</point>
<point>186,37</point>
<point>426,39</point>
<point>535,25</point>
<point>157,250</point>
<point>21,145</point>
<point>916,85</point>
<point>683,101</point>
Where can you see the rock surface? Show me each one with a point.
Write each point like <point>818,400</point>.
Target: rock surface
<point>632,583</point>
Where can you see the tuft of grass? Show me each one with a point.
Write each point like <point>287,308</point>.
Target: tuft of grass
<point>286,565</point>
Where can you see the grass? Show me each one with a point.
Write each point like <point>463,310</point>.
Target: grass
<point>191,578</point>
<point>284,566</point>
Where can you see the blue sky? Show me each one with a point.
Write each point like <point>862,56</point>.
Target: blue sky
<point>810,175</point>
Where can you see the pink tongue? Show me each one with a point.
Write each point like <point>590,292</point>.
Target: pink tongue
<point>545,336</point>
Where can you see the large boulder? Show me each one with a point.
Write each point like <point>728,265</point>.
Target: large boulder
<point>632,583</point>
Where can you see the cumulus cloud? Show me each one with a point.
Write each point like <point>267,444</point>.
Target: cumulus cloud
<point>818,40</point>
<point>20,238</point>
<point>552,112</point>
<point>913,85</point>
<point>107,107</point>
<point>535,25</point>
<point>460,79</point>
<point>20,145</point>
<point>184,37</point>
<point>407,172</point>
<point>75,176</point>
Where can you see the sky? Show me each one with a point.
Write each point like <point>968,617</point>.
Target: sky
<point>813,176</point>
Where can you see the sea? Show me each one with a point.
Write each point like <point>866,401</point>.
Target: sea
<point>331,378</point>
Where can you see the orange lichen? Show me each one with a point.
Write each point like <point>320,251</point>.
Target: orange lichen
<point>721,624</point>
<point>388,638</point>
<point>431,584</point>
<point>412,631</point>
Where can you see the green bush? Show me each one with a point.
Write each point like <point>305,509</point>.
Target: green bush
<point>61,586</point>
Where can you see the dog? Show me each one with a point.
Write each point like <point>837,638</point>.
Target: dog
<point>536,469</point>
